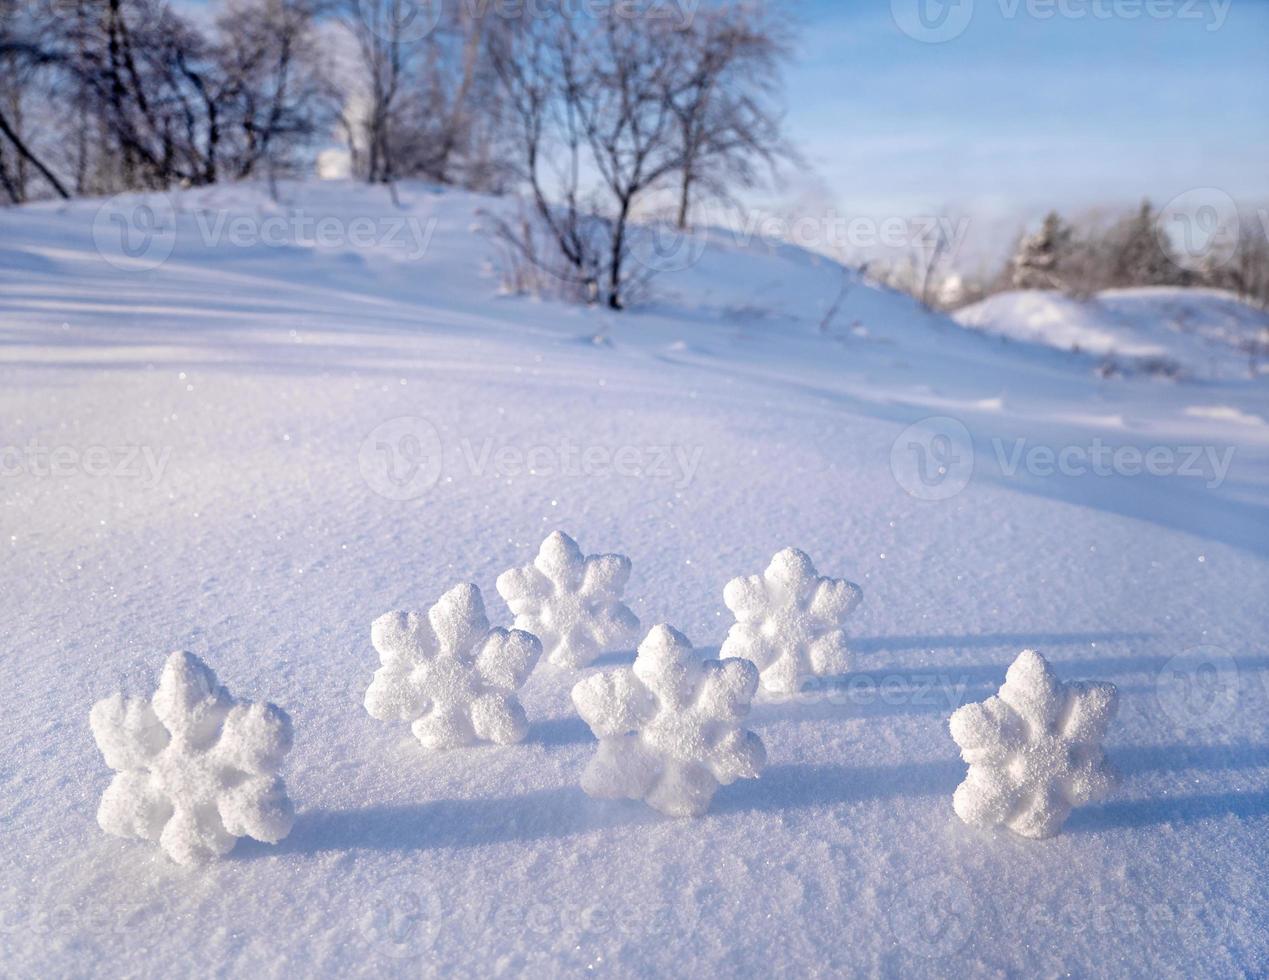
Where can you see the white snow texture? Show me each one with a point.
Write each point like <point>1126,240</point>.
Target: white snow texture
<point>669,728</point>
<point>570,602</point>
<point>451,675</point>
<point>789,622</point>
<point>1035,750</point>
<point>197,769</point>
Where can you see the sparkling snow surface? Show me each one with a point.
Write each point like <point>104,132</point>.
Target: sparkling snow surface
<point>255,448</point>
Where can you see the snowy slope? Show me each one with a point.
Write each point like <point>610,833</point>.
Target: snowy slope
<point>243,510</point>
<point>1199,333</point>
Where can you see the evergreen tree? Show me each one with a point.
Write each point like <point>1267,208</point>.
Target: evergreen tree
<point>1140,255</point>
<point>1038,262</point>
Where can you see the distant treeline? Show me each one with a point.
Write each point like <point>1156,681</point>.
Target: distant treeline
<point>587,115</point>
<point>1195,245</point>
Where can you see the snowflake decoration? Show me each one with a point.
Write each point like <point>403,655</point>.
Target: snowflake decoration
<point>196,769</point>
<point>669,728</point>
<point>450,674</point>
<point>789,622</point>
<point>1035,750</point>
<point>572,603</point>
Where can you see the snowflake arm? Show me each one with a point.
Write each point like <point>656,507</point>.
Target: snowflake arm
<point>669,727</point>
<point>614,703</point>
<point>507,657</point>
<point>127,731</point>
<point>134,805</point>
<point>788,622</point>
<point>451,676</point>
<point>195,768</point>
<point>727,689</point>
<point>571,601</point>
<point>405,643</point>
<point>1034,751</point>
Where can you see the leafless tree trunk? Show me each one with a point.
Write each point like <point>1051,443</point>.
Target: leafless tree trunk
<point>722,96</point>
<point>17,189</point>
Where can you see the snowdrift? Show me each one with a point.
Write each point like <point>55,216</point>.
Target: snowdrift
<point>248,429</point>
<point>1162,331</point>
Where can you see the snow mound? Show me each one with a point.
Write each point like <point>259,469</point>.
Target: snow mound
<point>1202,333</point>
<point>1034,750</point>
<point>451,675</point>
<point>1224,413</point>
<point>669,728</point>
<point>789,621</point>
<point>258,379</point>
<point>570,602</point>
<point>196,769</point>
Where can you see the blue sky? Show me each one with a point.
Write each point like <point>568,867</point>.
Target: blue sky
<point>1016,113</point>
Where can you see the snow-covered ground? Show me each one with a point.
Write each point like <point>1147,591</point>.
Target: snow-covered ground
<point>256,446</point>
<point>1163,331</point>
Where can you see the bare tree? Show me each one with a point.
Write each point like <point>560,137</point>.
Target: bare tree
<point>548,148</point>
<point>928,256</point>
<point>24,69</point>
<point>614,80</point>
<point>1244,269</point>
<point>428,91</point>
<point>276,98</point>
<point>589,98</point>
<point>380,28</point>
<point>722,95</point>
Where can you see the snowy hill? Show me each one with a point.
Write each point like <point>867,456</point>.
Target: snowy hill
<point>262,425</point>
<point>1197,333</point>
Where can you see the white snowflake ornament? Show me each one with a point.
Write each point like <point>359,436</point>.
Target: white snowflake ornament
<point>451,675</point>
<point>669,728</point>
<point>196,769</point>
<point>789,622</point>
<point>571,602</point>
<point>1034,750</point>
